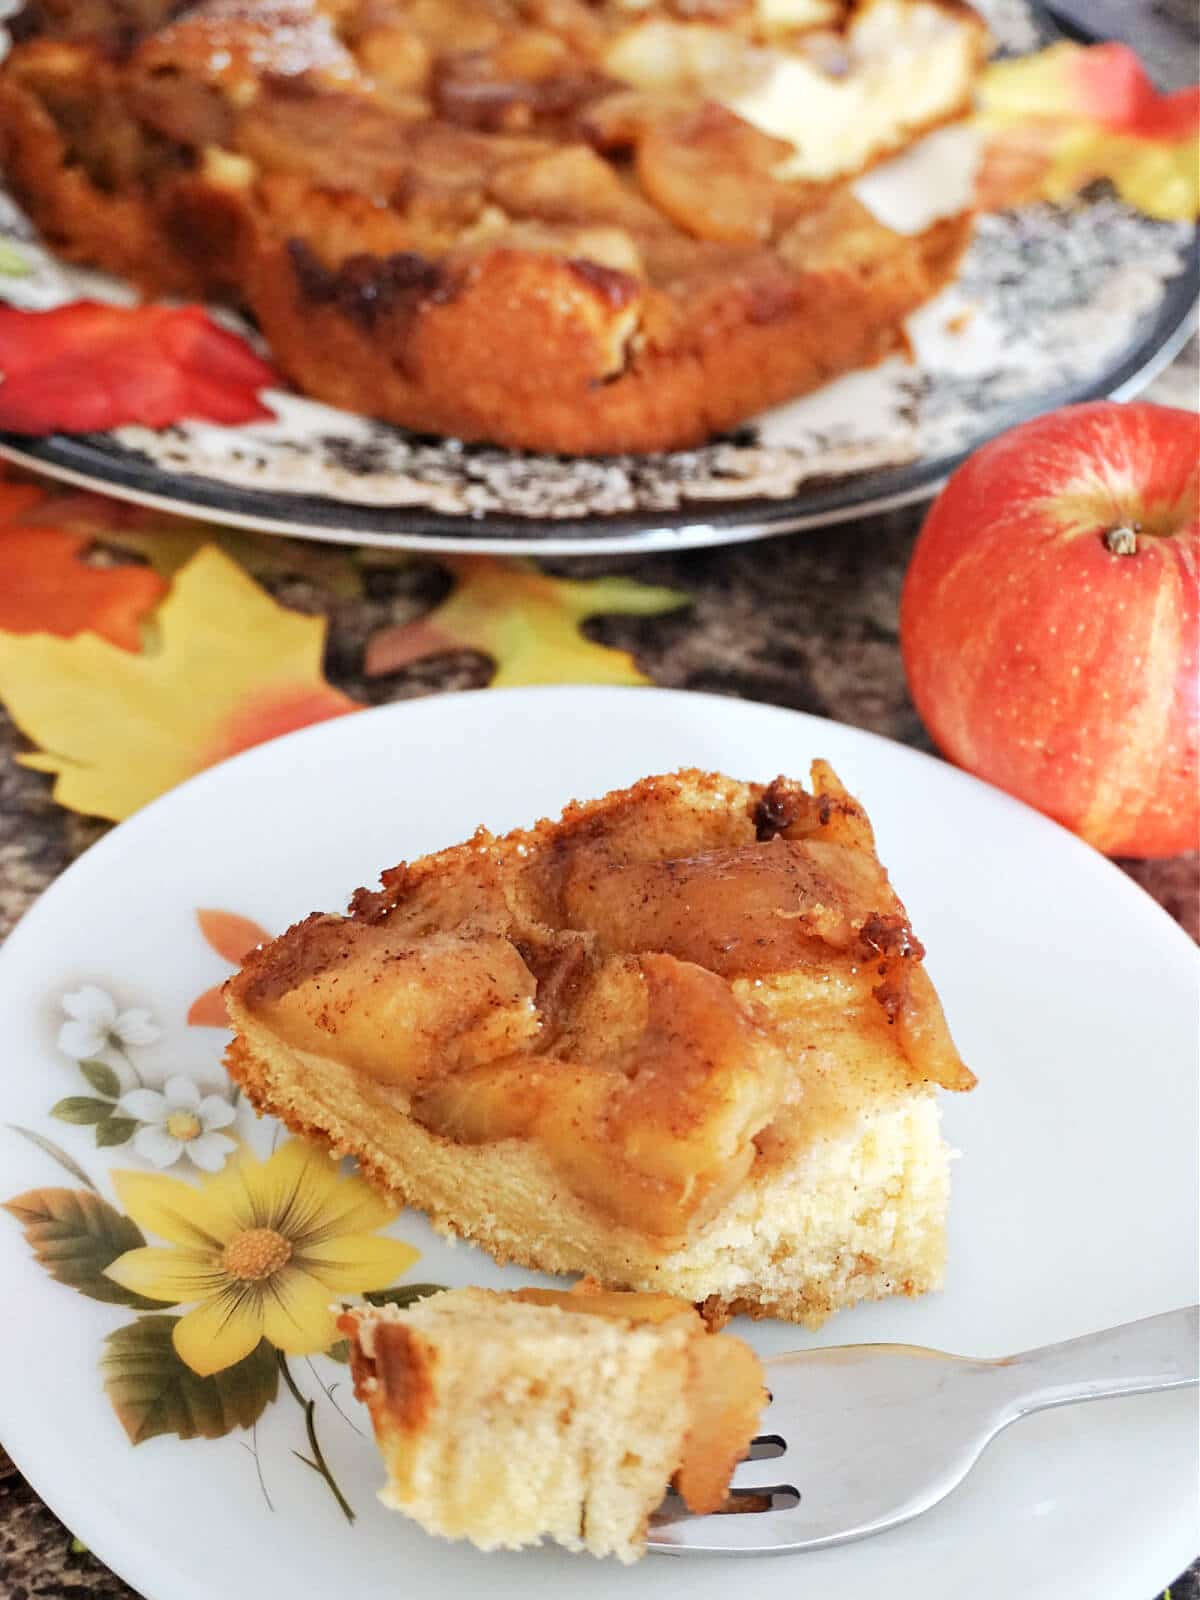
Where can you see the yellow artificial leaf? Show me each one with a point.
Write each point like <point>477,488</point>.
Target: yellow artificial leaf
<point>527,622</point>
<point>1058,120</point>
<point>229,668</point>
<point>1160,179</point>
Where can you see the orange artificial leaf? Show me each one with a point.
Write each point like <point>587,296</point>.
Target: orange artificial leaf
<point>231,936</point>
<point>208,1010</point>
<point>1061,119</point>
<point>526,621</point>
<point>169,544</point>
<point>18,499</point>
<point>45,587</point>
<point>229,667</point>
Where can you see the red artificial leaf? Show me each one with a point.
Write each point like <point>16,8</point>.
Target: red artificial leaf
<point>46,588</point>
<point>1116,91</point>
<point>208,1010</point>
<point>88,367</point>
<point>231,936</point>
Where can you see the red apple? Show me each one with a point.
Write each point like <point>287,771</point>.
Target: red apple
<point>1050,621</point>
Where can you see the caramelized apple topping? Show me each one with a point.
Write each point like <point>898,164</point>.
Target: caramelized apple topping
<point>587,1298</point>
<point>725,1399</point>
<point>711,173</point>
<point>570,184</point>
<point>627,108</point>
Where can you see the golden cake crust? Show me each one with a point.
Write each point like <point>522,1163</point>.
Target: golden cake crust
<point>542,228</point>
<point>751,337</point>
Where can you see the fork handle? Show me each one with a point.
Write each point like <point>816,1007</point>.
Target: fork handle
<point>1160,1352</point>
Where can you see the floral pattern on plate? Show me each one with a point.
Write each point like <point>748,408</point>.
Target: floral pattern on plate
<point>235,1269</point>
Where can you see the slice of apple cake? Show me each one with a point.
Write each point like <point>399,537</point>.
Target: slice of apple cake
<point>681,1039</point>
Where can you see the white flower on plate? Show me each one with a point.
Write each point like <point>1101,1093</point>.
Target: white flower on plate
<point>178,1121</point>
<point>94,1024</point>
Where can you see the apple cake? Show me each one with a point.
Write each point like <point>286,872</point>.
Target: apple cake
<point>509,1418</point>
<point>681,1039</point>
<point>568,225</point>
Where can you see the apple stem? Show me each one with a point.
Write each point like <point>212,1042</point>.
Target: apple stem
<point>1122,541</point>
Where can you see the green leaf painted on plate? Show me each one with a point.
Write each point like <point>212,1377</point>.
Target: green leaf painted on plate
<point>114,1130</point>
<point>12,263</point>
<point>403,1294</point>
<point>75,1235</point>
<point>339,1351</point>
<point>81,1109</point>
<point>56,1153</point>
<point>102,1078</point>
<point>153,1391</point>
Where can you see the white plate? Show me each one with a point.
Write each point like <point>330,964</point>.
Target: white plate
<point>1070,992</point>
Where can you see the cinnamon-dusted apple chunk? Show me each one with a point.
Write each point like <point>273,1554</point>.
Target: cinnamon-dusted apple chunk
<point>681,1039</point>
<point>509,1418</point>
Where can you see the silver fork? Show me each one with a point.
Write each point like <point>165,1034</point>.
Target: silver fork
<point>861,1437</point>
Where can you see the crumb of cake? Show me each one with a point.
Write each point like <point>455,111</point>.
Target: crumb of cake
<point>509,1418</point>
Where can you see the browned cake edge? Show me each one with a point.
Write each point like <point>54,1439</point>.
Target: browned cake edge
<point>460,365</point>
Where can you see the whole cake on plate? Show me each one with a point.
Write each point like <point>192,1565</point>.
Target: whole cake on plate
<point>567,225</point>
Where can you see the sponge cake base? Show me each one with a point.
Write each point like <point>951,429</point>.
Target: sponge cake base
<point>856,1212</point>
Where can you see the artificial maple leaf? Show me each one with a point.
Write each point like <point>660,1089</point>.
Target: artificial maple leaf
<point>168,548</point>
<point>168,545</point>
<point>230,668</point>
<point>46,588</point>
<point>526,621</point>
<point>1058,120</point>
<point>232,937</point>
<point>18,499</point>
<point>87,367</point>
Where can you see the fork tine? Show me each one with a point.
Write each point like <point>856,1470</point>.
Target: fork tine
<point>769,1473</point>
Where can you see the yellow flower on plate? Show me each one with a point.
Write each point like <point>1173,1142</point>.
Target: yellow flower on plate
<point>259,1250</point>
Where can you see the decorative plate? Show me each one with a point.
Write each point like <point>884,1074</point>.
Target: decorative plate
<point>1053,304</point>
<point>200,1451</point>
